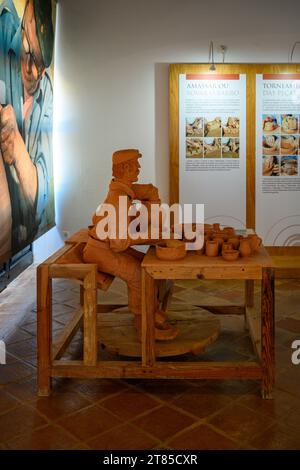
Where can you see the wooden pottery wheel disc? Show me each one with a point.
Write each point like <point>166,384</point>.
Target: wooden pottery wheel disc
<point>197,329</point>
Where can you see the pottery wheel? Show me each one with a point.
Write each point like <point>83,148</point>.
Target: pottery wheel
<point>197,329</point>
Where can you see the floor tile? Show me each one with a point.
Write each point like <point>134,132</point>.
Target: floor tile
<point>277,437</point>
<point>129,404</point>
<point>164,422</point>
<point>60,404</point>
<point>47,438</point>
<point>202,437</point>
<point>6,401</point>
<point>25,390</point>
<point>201,404</point>
<point>95,389</point>
<point>20,420</point>
<point>239,422</point>
<point>126,437</point>
<point>89,422</point>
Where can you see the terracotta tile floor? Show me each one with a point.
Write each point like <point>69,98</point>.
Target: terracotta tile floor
<point>155,414</point>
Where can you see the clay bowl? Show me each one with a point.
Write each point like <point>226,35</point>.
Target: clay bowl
<point>230,255</point>
<point>171,250</point>
<point>291,150</point>
<point>269,150</point>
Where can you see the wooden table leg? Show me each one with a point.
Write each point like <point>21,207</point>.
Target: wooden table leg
<point>149,302</point>
<point>267,332</point>
<point>249,297</point>
<point>44,329</point>
<point>90,345</point>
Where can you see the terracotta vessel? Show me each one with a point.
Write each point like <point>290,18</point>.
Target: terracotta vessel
<point>235,241</point>
<point>219,240</point>
<point>230,255</point>
<point>230,231</point>
<point>171,250</point>
<point>245,247</point>
<point>227,246</point>
<point>216,227</point>
<point>212,248</point>
<point>255,242</point>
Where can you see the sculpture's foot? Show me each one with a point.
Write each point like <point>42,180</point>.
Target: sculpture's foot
<point>162,332</point>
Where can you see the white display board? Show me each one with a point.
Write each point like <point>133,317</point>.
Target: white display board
<point>277,158</point>
<point>212,145</point>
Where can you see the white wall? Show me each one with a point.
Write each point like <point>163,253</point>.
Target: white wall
<point>111,82</point>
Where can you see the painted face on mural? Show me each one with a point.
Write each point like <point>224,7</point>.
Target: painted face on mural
<point>32,65</point>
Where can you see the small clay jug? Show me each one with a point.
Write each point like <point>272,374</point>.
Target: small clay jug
<point>255,241</point>
<point>211,248</point>
<point>216,227</point>
<point>245,247</point>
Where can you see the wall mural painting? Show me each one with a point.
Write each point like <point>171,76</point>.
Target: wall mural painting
<point>26,108</point>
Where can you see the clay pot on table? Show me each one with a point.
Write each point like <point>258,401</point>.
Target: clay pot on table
<point>216,227</point>
<point>219,240</point>
<point>226,246</point>
<point>235,241</point>
<point>255,242</point>
<point>171,250</point>
<point>245,247</point>
<point>211,248</point>
<point>230,255</point>
<point>230,231</point>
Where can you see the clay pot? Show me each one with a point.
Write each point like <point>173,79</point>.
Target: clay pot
<point>221,234</point>
<point>245,247</point>
<point>216,227</point>
<point>230,255</point>
<point>219,240</point>
<point>235,241</point>
<point>211,248</point>
<point>230,231</point>
<point>226,246</point>
<point>255,242</point>
<point>171,250</point>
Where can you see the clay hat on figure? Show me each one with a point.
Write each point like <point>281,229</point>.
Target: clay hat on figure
<point>121,156</point>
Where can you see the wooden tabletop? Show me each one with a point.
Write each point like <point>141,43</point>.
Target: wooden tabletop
<point>201,266</point>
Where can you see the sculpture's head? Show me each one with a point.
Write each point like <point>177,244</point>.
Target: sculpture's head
<point>126,166</point>
<point>37,42</point>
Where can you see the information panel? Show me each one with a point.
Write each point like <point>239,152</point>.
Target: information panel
<point>277,158</point>
<point>212,145</point>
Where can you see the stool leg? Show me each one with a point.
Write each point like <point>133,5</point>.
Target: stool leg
<point>44,329</point>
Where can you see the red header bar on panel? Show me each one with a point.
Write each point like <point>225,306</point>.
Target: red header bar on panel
<point>281,76</point>
<point>210,76</point>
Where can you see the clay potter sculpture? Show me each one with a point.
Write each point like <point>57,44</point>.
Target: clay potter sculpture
<point>115,255</point>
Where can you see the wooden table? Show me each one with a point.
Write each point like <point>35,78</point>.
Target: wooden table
<point>260,324</point>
